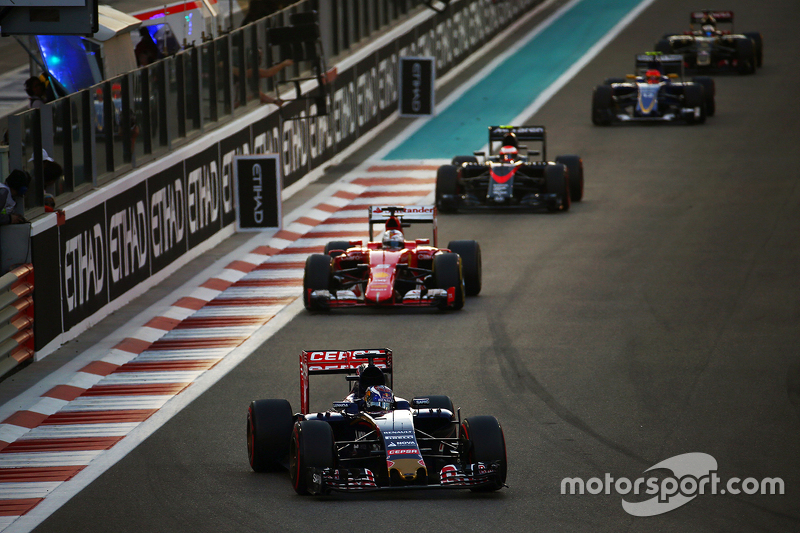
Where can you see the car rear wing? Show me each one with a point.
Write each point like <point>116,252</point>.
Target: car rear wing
<point>523,133</point>
<point>665,63</point>
<point>400,216</point>
<point>699,17</point>
<point>314,362</point>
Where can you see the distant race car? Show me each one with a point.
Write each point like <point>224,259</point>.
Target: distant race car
<point>506,178</point>
<point>657,92</point>
<point>393,271</point>
<point>712,50</point>
<point>373,440</point>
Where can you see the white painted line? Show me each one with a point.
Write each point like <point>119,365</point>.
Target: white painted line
<point>210,333</point>
<point>145,378</point>
<point>277,273</point>
<point>246,293</point>
<point>116,403</point>
<point>38,489</point>
<point>40,459</point>
<point>74,431</point>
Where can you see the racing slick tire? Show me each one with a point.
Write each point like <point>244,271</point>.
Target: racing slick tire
<point>758,44</point>
<point>709,93</point>
<point>442,428</point>
<point>470,253</point>
<point>609,81</point>
<point>447,274</point>
<point>316,277</point>
<point>335,245</point>
<point>557,182</point>
<point>693,96</point>
<point>485,443</point>
<point>447,184</point>
<point>602,105</point>
<point>312,446</point>
<point>460,159</point>
<point>574,166</point>
<point>269,432</point>
<point>745,56</point>
<point>663,46</point>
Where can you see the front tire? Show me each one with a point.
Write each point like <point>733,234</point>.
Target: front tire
<point>447,184</point>
<point>312,446</point>
<point>555,177</point>
<point>693,97</point>
<point>758,45</point>
<point>316,277</point>
<point>574,166</point>
<point>745,56</point>
<point>602,105</point>
<point>485,443</point>
<point>470,253</point>
<point>709,93</point>
<point>269,433</point>
<point>446,275</point>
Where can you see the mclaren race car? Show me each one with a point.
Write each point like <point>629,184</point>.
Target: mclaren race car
<point>373,440</point>
<point>507,178</point>
<point>657,92</point>
<point>711,50</point>
<point>393,271</point>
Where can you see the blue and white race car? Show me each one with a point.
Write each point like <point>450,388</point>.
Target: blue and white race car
<point>657,92</point>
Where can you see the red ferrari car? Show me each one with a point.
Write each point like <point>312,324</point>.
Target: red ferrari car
<point>393,271</point>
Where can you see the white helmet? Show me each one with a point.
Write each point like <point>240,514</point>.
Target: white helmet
<point>393,239</point>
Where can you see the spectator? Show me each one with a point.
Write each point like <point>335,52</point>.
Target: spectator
<point>52,173</point>
<point>16,185</point>
<point>36,87</point>
<point>146,50</point>
<point>49,203</point>
<point>262,74</point>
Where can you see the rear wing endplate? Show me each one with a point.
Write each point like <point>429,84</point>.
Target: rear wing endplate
<point>522,133</point>
<point>400,216</point>
<point>313,362</point>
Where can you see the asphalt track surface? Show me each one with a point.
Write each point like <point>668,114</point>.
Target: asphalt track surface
<point>658,317</point>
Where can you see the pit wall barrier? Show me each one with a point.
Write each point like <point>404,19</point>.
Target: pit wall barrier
<point>117,242</point>
<point>16,319</point>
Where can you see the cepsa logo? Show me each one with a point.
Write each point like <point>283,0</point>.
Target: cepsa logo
<point>339,359</point>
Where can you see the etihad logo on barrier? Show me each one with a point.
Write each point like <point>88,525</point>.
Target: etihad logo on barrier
<point>693,474</point>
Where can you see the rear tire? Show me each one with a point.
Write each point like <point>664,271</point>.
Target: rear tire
<point>316,277</point>
<point>574,166</point>
<point>470,253</point>
<point>312,446</point>
<point>758,45</point>
<point>602,105</point>
<point>269,434</point>
<point>745,56</point>
<point>709,93</point>
<point>556,182</point>
<point>447,184</point>
<point>447,274</point>
<point>485,444</point>
<point>336,245</point>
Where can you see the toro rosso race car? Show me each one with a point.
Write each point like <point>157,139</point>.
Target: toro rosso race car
<point>656,92</point>
<point>507,178</point>
<point>373,440</point>
<point>393,271</point>
<point>712,50</point>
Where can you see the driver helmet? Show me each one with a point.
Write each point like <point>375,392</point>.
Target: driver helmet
<point>508,153</point>
<point>653,76</point>
<point>379,398</point>
<point>393,239</point>
<point>708,30</point>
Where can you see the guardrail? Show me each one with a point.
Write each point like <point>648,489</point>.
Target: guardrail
<point>16,319</point>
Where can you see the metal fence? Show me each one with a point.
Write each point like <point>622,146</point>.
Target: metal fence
<point>105,131</point>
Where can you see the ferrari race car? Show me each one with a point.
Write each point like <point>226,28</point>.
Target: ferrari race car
<point>393,271</point>
<point>373,440</point>
<point>507,179</point>
<point>656,92</point>
<point>712,50</point>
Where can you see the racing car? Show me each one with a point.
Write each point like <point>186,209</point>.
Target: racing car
<point>372,440</point>
<point>507,178</point>
<point>393,271</point>
<point>712,50</point>
<point>657,92</point>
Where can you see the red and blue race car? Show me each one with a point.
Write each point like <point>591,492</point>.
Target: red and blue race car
<point>393,271</point>
<point>373,440</point>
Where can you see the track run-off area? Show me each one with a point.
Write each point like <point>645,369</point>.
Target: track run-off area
<point>658,317</point>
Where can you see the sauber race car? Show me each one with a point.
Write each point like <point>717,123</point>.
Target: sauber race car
<point>507,178</point>
<point>373,440</point>
<point>657,92</point>
<point>712,50</point>
<point>393,271</point>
